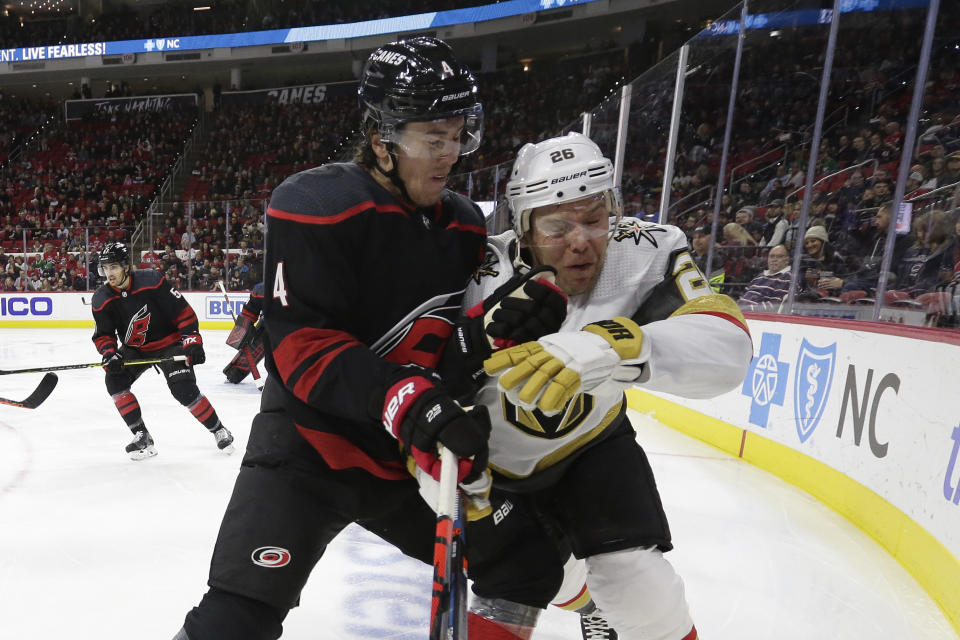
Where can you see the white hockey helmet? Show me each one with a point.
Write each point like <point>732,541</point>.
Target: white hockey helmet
<point>558,170</point>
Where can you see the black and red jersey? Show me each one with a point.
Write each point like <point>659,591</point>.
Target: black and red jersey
<point>254,306</point>
<point>358,284</point>
<point>149,315</point>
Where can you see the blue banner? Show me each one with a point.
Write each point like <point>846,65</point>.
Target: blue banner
<point>805,17</point>
<point>420,22</point>
<point>414,23</point>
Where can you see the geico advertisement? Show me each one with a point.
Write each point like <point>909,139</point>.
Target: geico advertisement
<point>23,306</point>
<point>55,308</point>
<point>43,307</point>
<point>877,407</point>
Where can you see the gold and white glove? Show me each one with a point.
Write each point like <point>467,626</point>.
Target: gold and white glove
<point>547,373</point>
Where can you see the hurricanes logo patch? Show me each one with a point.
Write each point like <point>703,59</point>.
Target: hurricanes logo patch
<point>270,557</point>
<point>486,268</point>
<point>136,335</point>
<point>634,230</point>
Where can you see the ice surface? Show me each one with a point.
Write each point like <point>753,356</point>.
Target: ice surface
<point>96,546</point>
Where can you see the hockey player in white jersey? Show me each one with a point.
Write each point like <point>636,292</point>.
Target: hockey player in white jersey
<point>639,313</point>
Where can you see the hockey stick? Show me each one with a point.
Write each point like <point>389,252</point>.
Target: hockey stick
<point>39,394</point>
<point>448,606</point>
<point>257,380</point>
<point>65,367</point>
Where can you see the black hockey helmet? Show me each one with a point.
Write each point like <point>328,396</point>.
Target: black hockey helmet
<point>416,80</point>
<point>113,253</point>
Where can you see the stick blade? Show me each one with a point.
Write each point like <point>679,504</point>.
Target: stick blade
<point>43,390</point>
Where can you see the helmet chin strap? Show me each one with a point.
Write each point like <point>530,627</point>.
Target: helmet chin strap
<point>393,176</point>
<point>522,257</point>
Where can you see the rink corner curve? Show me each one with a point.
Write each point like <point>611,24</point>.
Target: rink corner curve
<point>935,568</point>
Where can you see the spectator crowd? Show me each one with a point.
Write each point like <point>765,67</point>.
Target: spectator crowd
<point>101,173</point>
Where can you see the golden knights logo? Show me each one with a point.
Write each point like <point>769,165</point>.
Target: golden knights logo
<point>535,423</point>
<point>487,267</point>
<point>633,229</point>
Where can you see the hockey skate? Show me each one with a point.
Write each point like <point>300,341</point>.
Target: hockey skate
<point>594,627</point>
<point>141,446</point>
<point>224,440</point>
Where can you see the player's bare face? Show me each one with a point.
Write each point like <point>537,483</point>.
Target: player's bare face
<point>572,238</point>
<point>116,275</point>
<point>426,152</point>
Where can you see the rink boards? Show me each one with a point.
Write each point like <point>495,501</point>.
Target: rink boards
<point>864,417</point>
<point>72,309</point>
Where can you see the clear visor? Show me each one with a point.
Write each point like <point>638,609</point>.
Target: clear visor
<point>588,218</point>
<point>458,135</point>
<point>101,268</point>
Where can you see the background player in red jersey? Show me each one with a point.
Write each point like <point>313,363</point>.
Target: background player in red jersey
<point>152,321</point>
<point>366,266</point>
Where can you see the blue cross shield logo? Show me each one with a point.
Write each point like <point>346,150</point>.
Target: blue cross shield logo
<point>766,380</point>
<point>811,386</point>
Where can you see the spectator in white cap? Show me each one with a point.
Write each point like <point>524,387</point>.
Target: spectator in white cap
<point>821,267</point>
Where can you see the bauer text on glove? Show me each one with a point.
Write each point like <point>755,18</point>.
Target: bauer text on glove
<point>421,415</point>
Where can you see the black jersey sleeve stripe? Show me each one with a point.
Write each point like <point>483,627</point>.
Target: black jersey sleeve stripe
<point>105,303</point>
<point>149,286</point>
<point>340,453</point>
<point>187,319</point>
<point>472,228</point>
<point>337,217</point>
<point>301,345</point>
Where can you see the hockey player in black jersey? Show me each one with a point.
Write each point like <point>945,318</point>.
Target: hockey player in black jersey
<point>246,337</point>
<point>152,321</point>
<point>366,265</point>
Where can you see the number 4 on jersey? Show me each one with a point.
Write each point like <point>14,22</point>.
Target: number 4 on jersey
<point>279,286</point>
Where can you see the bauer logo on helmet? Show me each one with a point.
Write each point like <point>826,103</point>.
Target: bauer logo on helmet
<point>572,176</point>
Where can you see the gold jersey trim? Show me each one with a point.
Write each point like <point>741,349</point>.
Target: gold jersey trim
<point>713,303</point>
<point>563,452</point>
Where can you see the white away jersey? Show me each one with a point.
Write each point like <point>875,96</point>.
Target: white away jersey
<point>700,345</point>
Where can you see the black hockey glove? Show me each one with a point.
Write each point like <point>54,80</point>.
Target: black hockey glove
<point>420,415</point>
<point>193,346</point>
<point>524,308</point>
<point>113,362</point>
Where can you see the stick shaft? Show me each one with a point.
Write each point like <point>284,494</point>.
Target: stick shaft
<point>88,365</point>
<point>448,605</point>
<point>223,290</point>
